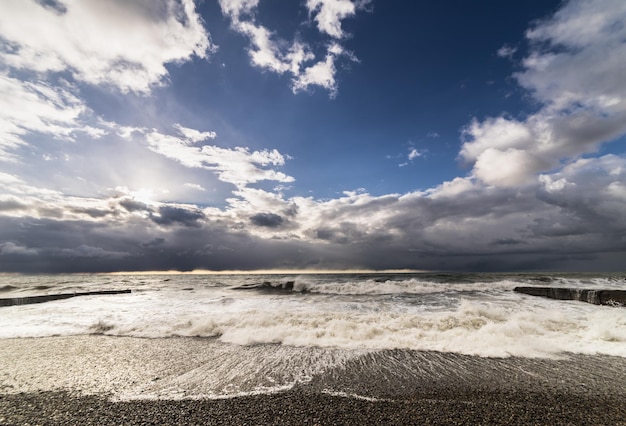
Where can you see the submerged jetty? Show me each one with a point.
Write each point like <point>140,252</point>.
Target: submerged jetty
<point>49,297</point>
<point>596,297</point>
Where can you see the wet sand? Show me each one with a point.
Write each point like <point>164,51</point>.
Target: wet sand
<point>106,380</point>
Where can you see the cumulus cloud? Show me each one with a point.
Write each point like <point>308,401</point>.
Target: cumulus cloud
<point>575,70</point>
<point>132,205</point>
<point>320,74</point>
<point>141,37</point>
<point>271,53</point>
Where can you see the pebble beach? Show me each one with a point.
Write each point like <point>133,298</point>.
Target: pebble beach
<point>102,380</point>
<point>305,408</point>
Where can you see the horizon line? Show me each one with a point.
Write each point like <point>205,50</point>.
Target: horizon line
<point>270,271</point>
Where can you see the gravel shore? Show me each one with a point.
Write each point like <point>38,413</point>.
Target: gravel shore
<point>101,380</point>
<point>304,408</point>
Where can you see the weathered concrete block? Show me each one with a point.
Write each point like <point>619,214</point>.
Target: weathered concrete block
<point>49,297</point>
<point>596,297</point>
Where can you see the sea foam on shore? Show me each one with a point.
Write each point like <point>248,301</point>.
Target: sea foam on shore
<point>130,368</point>
<point>103,380</point>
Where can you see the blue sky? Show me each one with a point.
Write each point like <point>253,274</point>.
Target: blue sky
<point>313,134</point>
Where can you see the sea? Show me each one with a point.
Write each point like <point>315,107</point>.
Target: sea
<point>314,319</point>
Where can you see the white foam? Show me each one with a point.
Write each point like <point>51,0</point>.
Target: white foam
<point>407,286</point>
<point>129,369</point>
<point>493,322</point>
<point>354,396</point>
<point>473,328</point>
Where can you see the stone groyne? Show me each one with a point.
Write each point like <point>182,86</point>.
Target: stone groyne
<point>49,297</point>
<point>596,297</point>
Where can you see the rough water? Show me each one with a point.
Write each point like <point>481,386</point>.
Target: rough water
<point>213,336</point>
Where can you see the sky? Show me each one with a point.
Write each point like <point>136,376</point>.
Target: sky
<point>147,135</point>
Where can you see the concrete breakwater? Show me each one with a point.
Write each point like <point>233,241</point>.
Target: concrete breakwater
<point>49,297</point>
<point>596,297</point>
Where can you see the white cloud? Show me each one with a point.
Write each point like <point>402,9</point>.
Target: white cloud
<point>450,189</point>
<point>494,133</point>
<point>141,37</point>
<point>236,8</point>
<point>195,186</point>
<point>320,74</point>
<point>414,153</point>
<point>330,13</point>
<point>576,71</point>
<point>551,185</point>
<point>266,51</point>
<point>194,135</point>
<point>271,53</point>
<point>121,44</point>
<point>238,165</point>
<point>583,23</point>
<point>27,107</point>
<point>510,167</point>
<point>506,51</point>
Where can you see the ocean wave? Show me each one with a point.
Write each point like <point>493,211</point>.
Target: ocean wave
<point>478,315</point>
<point>306,284</point>
<point>7,288</point>
<point>472,328</point>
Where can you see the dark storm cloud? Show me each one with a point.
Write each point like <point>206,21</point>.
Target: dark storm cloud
<point>325,234</point>
<point>11,204</point>
<point>92,212</point>
<point>168,215</point>
<point>507,242</point>
<point>154,243</point>
<point>134,206</point>
<point>565,221</point>
<point>344,233</point>
<point>82,246</point>
<point>61,246</point>
<point>292,210</point>
<point>53,5</point>
<point>268,220</point>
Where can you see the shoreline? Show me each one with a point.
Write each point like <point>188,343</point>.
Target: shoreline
<point>96,379</point>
